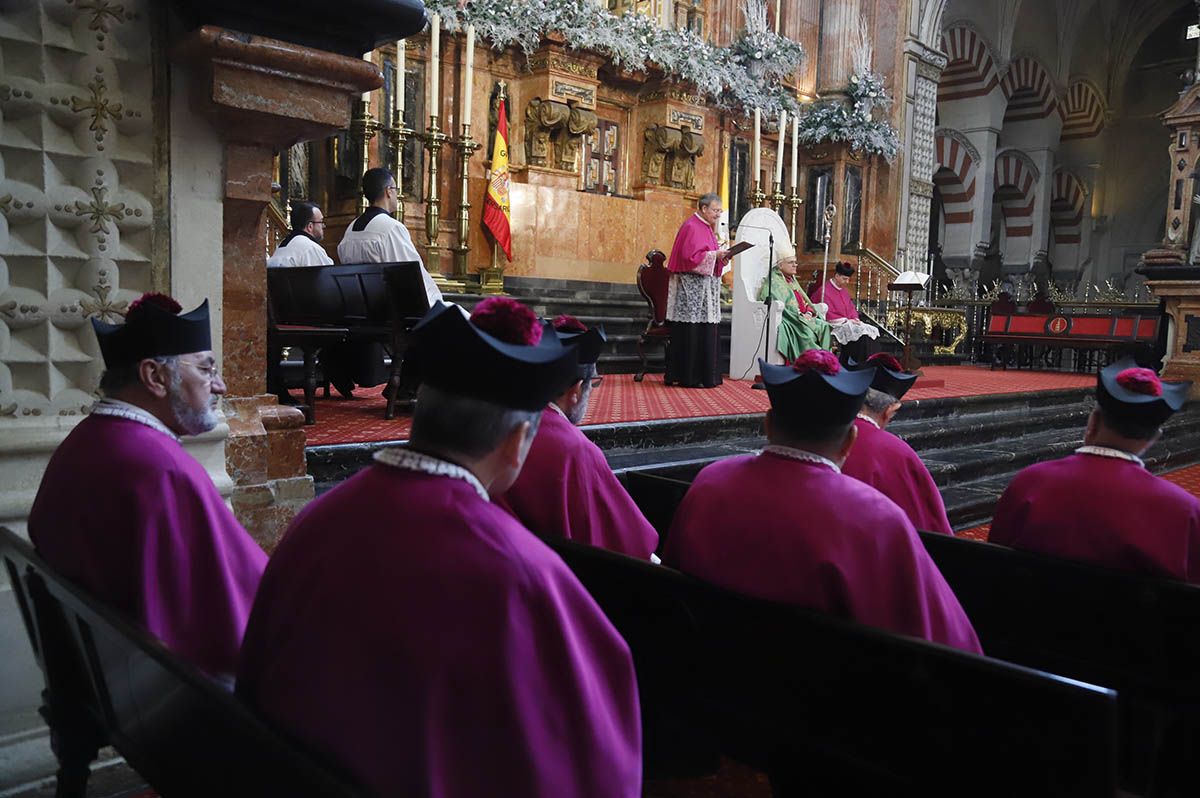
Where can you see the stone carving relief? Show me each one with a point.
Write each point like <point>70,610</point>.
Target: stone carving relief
<point>554,132</point>
<point>77,176</point>
<point>669,156</point>
<point>681,163</point>
<point>660,141</point>
<point>567,140</point>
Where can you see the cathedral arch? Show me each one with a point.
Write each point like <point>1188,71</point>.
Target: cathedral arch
<point>1066,207</point>
<point>971,71</point>
<point>956,167</point>
<point>1083,111</point>
<point>1029,91</point>
<point>1015,190</point>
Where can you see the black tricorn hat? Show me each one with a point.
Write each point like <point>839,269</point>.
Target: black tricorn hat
<point>588,342</point>
<point>844,268</point>
<point>816,389</point>
<point>890,376</point>
<point>1137,394</point>
<point>451,353</point>
<point>154,327</point>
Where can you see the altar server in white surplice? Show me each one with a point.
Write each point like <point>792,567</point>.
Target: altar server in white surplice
<point>302,247</point>
<point>377,236</point>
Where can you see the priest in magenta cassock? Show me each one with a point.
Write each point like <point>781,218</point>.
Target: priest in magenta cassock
<point>302,247</point>
<point>694,299</point>
<point>852,333</point>
<point>786,525</point>
<point>567,488</point>
<point>126,513</point>
<point>1100,504</point>
<point>883,460</point>
<point>419,635</point>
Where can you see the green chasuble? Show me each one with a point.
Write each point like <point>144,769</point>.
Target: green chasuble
<point>797,333</point>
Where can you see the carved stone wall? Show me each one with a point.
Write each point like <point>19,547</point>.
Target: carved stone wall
<point>925,67</point>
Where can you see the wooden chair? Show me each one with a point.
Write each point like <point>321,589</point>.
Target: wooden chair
<point>653,280</point>
<point>110,683</point>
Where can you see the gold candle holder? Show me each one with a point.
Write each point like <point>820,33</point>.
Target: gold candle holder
<point>777,197</point>
<point>363,128</point>
<point>434,139</point>
<point>466,147</point>
<point>399,134</point>
<point>757,197</point>
<point>794,201</point>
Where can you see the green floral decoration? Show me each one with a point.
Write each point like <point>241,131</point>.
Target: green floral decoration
<point>738,78</point>
<point>861,122</point>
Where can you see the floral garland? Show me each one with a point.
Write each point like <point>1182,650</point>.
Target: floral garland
<point>741,77</point>
<point>854,123</point>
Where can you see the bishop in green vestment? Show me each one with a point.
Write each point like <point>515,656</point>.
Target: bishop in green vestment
<point>802,326</point>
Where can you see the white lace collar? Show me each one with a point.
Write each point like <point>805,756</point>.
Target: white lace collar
<point>107,406</point>
<point>801,455</point>
<point>872,421</point>
<point>1115,454</point>
<point>554,406</point>
<point>410,460</point>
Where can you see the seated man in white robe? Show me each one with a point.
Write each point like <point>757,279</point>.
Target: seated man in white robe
<point>302,247</point>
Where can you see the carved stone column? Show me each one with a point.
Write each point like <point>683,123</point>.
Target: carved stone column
<point>925,68</point>
<point>839,31</point>
<point>264,95</point>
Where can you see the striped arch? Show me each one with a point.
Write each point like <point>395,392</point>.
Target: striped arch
<point>1083,111</point>
<point>1029,90</point>
<point>1066,207</point>
<point>971,71</point>
<point>1015,184</point>
<point>955,177</point>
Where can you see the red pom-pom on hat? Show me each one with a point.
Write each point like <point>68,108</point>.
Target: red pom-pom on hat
<point>818,360</point>
<point>161,301</point>
<point>887,360</point>
<point>507,319</point>
<point>1143,381</point>
<point>567,323</point>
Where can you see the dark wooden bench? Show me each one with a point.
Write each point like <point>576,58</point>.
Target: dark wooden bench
<point>828,707</point>
<point>314,306</point>
<point>1115,334</point>
<point>110,683</point>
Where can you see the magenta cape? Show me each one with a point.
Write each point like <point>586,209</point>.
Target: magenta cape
<point>1104,511</point>
<point>694,240</point>
<point>567,489</point>
<point>434,647</point>
<point>845,549</point>
<point>130,516</point>
<point>841,306</point>
<point>890,465</point>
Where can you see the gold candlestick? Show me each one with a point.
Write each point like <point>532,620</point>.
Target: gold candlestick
<point>434,140</point>
<point>757,197</point>
<point>362,128</point>
<point>777,197</point>
<point>794,202</point>
<point>399,133</point>
<point>466,147</point>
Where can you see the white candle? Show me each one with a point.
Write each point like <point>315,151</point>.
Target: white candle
<point>370,59</point>
<point>778,15</point>
<point>400,69</point>
<point>779,149</point>
<point>435,49</point>
<point>757,155</point>
<point>795,151</point>
<point>468,71</point>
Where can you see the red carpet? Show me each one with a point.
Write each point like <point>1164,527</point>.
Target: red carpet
<point>619,399</point>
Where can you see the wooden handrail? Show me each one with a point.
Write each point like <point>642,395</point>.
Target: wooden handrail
<point>863,251</point>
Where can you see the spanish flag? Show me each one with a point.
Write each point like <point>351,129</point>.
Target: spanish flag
<point>496,217</point>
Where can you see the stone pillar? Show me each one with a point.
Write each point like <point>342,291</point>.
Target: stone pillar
<point>839,32</point>
<point>263,95</point>
<point>924,69</point>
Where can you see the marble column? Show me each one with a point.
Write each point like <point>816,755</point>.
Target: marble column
<point>839,32</point>
<point>263,95</point>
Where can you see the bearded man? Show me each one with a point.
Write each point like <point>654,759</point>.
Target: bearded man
<point>127,514</point>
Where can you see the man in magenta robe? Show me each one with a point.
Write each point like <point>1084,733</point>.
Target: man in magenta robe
<point>694,299</point>
<point>786,525</point>
<point>1100,504</point>
<point>418,634</point>
<point>125,512</point>
<point>566,488</point>
<point>883,460</point>
<point>855,336</point>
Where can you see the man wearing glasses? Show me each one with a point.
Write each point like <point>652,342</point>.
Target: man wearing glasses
<point>125,512</point>
<point>303,247</point>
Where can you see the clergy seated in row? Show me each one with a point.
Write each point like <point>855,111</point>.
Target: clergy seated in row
<point>802,326</point>
<point>567,488</point>
<point>1096,505</point>
<point>302,246</point>
<point>126,513</point>
<point>854,336</point>
<point>884,461</point>
<point>787,525</point>
<point>416,632</point>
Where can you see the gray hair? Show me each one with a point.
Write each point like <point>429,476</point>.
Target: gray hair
<point>115,380</point>
<point>878,401</point>
<point>707,199</point>
<point>580,410</point>
<point>463,425</point>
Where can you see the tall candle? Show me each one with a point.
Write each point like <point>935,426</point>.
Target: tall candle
<point>369,57</point>
<point>757,159</point>
<point>468,71</point>
<point>435,70</point>
<point>779,149</point>
<point>778,14</point>
<point>795,151</point>
<point>400,70</point>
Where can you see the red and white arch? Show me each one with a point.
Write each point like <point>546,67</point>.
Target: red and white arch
<point>1083,111</point>
<point>955,178</point>
<point>1029,91</point>
<point>1015,186</point>
<point>971,71</point>
<point>1066,207</point>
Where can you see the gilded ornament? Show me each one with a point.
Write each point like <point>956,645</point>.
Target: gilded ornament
<point>100,210</point>
<point>101,107</point>
<point>103,307</point>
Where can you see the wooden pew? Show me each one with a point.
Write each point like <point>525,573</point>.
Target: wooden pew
<point>828,707</point>
<point>110,683</point>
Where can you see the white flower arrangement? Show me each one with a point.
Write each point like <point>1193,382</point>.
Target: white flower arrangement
<point>854,122</point>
